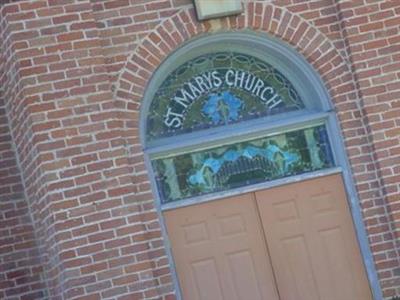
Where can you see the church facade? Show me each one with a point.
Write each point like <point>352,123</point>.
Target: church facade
<point>150,152</point>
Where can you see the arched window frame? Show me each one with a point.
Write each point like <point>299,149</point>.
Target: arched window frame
<point>294,67</point>
<point>319,110</point>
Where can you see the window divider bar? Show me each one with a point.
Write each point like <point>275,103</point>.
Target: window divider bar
<point>181,144</point>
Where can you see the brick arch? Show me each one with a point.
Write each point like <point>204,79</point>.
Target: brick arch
<point>258,16</point>
<point>276,21</point>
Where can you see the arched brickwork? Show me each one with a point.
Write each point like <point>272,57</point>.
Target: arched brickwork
<point>318,50</point>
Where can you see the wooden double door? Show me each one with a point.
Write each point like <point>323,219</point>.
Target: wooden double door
<point>294,242</point>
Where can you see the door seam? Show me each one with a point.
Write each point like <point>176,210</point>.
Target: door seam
<point>253,195</point>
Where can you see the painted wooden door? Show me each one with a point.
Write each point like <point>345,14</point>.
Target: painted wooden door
<point>312,242</point>
<point>220,251</point>
<point>294,242</point>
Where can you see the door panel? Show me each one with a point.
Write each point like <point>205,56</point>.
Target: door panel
<point>220,251</point>
<point>312,242</point>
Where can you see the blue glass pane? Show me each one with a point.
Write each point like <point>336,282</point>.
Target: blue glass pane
<point>244,163</point>
<point>218,89</point>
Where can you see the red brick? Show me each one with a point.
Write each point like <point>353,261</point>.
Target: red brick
<point>116,4</point>
<point>72,36</point>
<point>105,235</point>
<point>65,19</point>
<point>33,5</point>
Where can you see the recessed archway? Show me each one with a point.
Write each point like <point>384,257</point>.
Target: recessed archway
<point>181,28</point>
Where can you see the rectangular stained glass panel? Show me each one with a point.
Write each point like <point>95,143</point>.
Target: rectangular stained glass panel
<point>244,163</point>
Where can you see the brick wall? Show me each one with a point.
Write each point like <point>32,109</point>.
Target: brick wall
<point>72,76</point>
<point>371,33</point>
<point>21,271</point>
<point>74,167</point>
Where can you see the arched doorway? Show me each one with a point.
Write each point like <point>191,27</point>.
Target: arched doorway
<point>244,121</point>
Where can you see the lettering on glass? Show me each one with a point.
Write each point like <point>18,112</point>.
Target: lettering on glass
<point>208,82</point>
<point>219,89</point>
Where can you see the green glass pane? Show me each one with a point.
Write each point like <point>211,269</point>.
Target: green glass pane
<point>231,166</point>
<point>218,89</point>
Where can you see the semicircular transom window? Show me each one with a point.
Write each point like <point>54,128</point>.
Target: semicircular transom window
<point>218,89</point>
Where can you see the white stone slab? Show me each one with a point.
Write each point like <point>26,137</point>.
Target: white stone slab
<point>208,9</point>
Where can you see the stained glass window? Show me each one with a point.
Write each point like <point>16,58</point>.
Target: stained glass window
<point>239,164</point>
<point>218,89</point>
